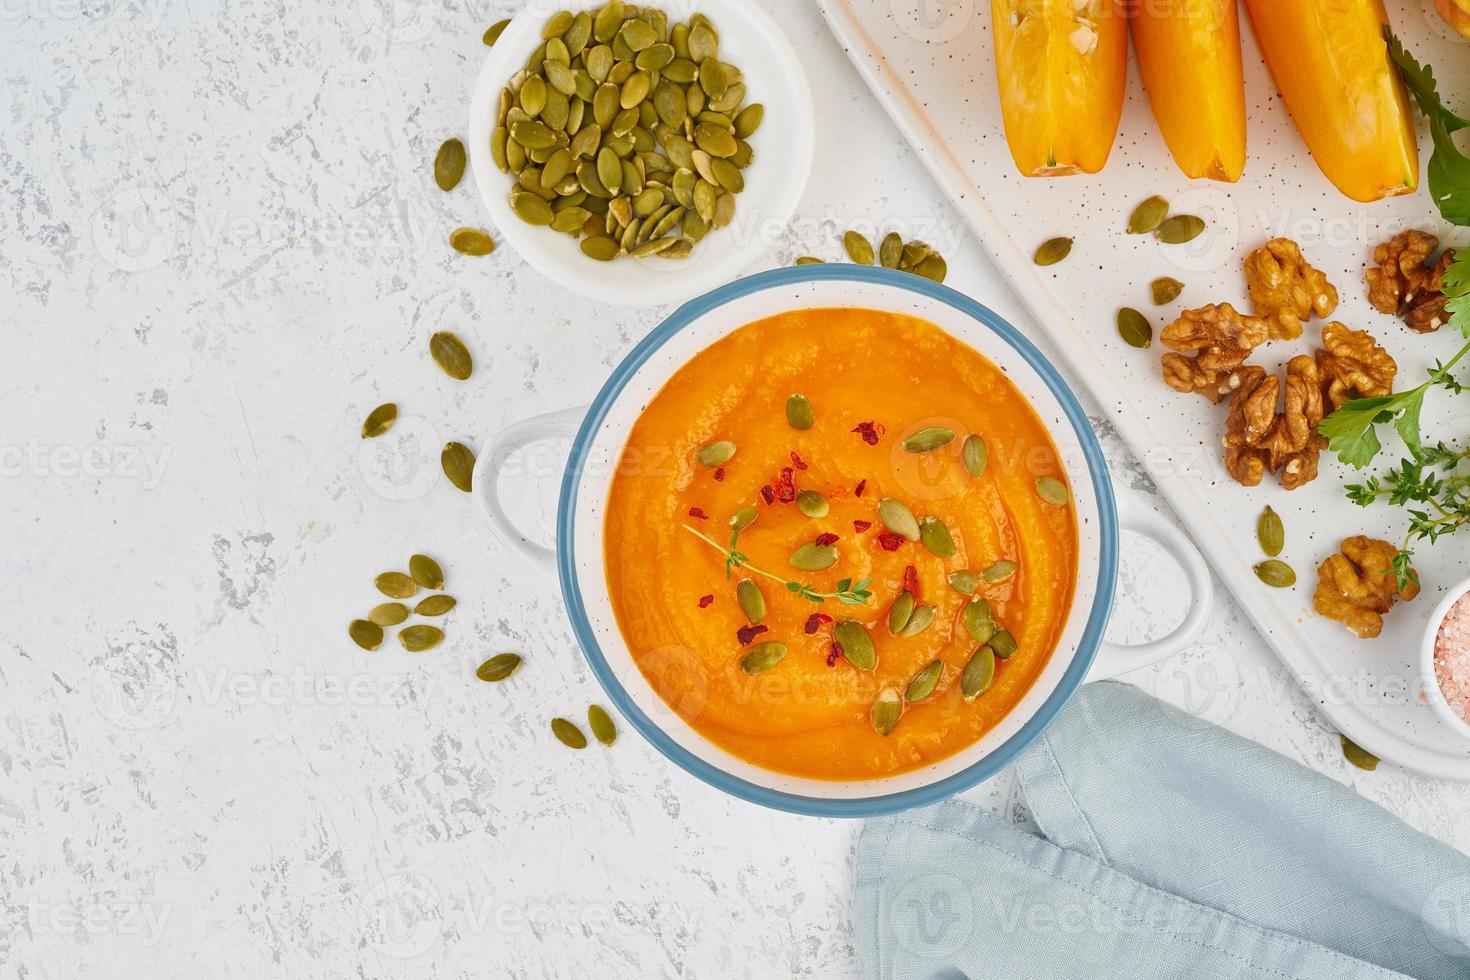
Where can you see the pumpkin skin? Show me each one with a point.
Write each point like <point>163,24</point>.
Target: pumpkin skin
<point>1330,62</point>
<point>1456,13</point>
<point>1062,66</point>
<point>1189,56</point>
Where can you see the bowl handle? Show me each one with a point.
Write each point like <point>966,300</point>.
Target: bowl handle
<point>1118,658</point>
<point>486,479</point>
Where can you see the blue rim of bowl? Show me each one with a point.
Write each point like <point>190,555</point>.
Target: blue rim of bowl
<point>868,806</point>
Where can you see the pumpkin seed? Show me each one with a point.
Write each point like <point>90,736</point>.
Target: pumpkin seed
<point>396,585</point>
<point>417,639</point>
<point>601,249</point>
<point>426,572</point>
<point>568,734</point>
<point>978,674</point>
<point>1052,251</point>
<point>1357,755</point>
<point>601,724</point>
<point>813,557</point>
<point>1149,214</point>
<point>531,209</point>
<point>557,25</point>
<point>857,645</point>
<point>459,465</point>
<point>532,96</point>
<point>449,164</point>
<point>471,241</point>
<point>749,119</point>
<point>890,251</point>
<point>858,248</point>
<point>933,268</point>
<point>752,601</point>
<point>743,518</point>
<point>799,412</point>
<point>493,32</point>
<point>900,612</point>
<point>452,356</point>
<point>810,260</point>
<point>999,572</point>
<point>1270,532</point>
<point>898,519</point>
<point>936,537</point>
<point>1165,289</point>
<point>927,440</point>
<point>977,620</point>
<point>366,634</point>
<point>976,454</point>
<point>913,254</point>
<point>716,453</point>
<point>811,503</point>
<point>379,420</point>
<point>1002,644</point>
<point>887,711</point>
<point>1052,490</point>
<point>435,605</point>
<point>1275,573</point>
<point>1135,329</point>
<point>1179,229</point>
<point>498,667</point>
<point>924,682</point>
<point>964,582</point>
<point>388,614</point>
<point>921,620</point>
<point>762,657</point>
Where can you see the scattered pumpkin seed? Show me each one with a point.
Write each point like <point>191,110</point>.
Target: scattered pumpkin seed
<point>499,667</point>
<point>1149,214</point>
<point>857,645</point>
<point>858,248</point>
<point>887,711</point>
<point>459,465</point>
<point>921,620</point>
<point>977,620</point>
<point>752,600</point>
<point>365,633</point>
<point>388,614</point>
<point>927,440</point>
<point>1135,329</point>
<point>898,519</point>
<point>976,454</point>
<point>924,682</point>
<point>999,572</point>
<point>900,612</point>
<point>568,734</point>
<point>601,724</point>
<point>449,164</point>
<point>471,241</point>
<point>1179,229</point>
<point>1165,289</point>
<point>743,518</point>
<point>1052,490</point>
<point>1270,532</point>
<point>716,453</point>
<point>813,557</point>
<point>493,32</point>
<point>762,657</point>
<point>435,605</point>
<point>964,582</point>
<point>1276,573</point>
<point>890,250</point>
<point>426,572</point>
<point>1002,644</point>
<point>810,260</point>
<point>811,503</point>
<point>935,536</point>
<point>933,268</point>
<point>799,412</point>
<point>1052,251</point>
<point>452,356</point>
<point>379,420</point>
<point>396,585</point>
<point>417,639</point>
<point>1357,755</point>
<point>978,674</point>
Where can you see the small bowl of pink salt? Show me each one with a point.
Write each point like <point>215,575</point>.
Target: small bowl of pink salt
<point>1446,660</point>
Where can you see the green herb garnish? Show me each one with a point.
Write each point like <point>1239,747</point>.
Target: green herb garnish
<point>1449,168</point>
<point>848,592</point>
<point>1436,497</point>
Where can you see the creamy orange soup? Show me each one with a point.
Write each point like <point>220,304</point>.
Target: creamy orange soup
<point>872,380</point>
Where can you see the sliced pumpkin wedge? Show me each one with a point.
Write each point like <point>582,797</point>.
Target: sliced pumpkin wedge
<point>1062,67</point>
<point>1330,61</point>
<point>1189,55</point>
<point>1456,13</point>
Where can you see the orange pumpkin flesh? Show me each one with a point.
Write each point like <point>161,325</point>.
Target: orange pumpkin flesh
<point>1062,67</point>
<point>1331,63</point>
<point>1189,55</point>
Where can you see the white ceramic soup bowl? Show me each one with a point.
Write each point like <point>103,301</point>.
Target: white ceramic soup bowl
<point>599,433</point>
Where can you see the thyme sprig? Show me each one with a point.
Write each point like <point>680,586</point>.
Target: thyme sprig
<point>848,592</point>
<point>1432,488</point>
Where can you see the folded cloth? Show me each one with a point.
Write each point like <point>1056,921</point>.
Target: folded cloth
<point>1169,848</point>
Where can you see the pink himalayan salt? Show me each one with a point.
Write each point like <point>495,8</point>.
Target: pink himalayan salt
<point>1452,657</point>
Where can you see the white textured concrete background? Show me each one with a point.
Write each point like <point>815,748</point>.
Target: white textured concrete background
<point>220,246</point>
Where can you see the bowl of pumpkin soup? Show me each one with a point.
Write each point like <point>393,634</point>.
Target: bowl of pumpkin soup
<point>838,540</point>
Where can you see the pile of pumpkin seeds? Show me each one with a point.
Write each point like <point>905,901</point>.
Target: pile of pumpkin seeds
<point>893,252</point>
<point>423,573</point>
<point>582,125</point>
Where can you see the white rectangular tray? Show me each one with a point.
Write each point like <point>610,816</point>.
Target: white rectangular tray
<point>931,66</point>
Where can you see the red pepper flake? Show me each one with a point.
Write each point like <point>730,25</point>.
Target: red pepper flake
<point>786,485</point>
<point>705,600</point>
<point>861,526</point>
<point>857,491</point>
<point>911,581</point>
<point>869,431</point>
<point>826,538</point>
<point>767,495</point>
<point>834,653</point>
<point>797,462</point>
<point>719,474</point>
<point>747,633</point>
<point>699,513</point>
<point>890,541</point>
<point>816,621</point>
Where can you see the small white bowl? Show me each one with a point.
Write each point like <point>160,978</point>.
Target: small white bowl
<point>1432,690</point>
<point>774,182</point>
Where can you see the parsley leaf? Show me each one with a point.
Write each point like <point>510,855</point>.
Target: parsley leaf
<point>1449,168</point>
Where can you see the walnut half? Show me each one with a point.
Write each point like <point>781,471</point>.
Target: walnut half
<point>1221,339</point>
<point>1358,586</point>
<point>1286,289</point>
<point>1352,365</point>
